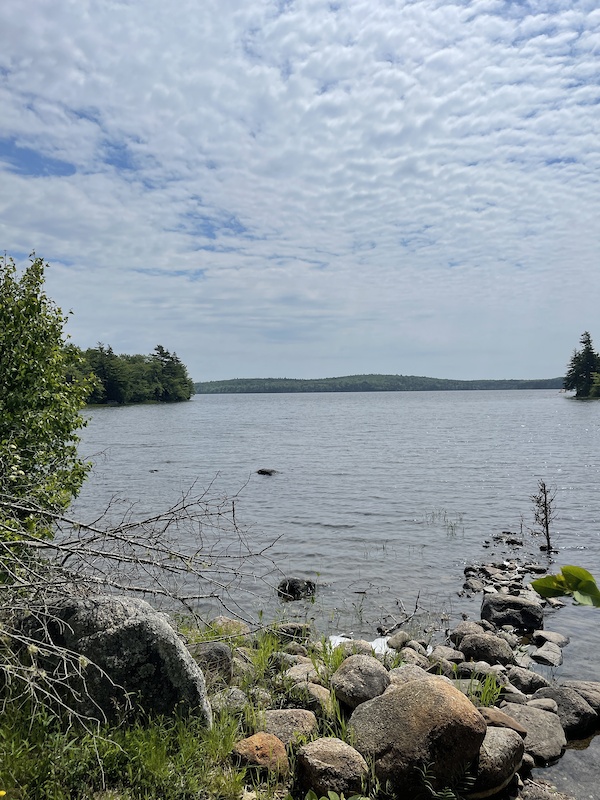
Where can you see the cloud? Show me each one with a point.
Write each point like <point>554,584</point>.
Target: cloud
<point>310,188</point>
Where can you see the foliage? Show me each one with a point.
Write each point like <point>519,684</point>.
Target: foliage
<point>484,693</point>
<point>40,401</point>
<point>576,582</point>
<point>365,383</point>
<point>160,377</point>
<point>583,369</point>
<point>544,513</point>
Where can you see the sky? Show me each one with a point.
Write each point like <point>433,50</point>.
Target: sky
<point>308,188</point>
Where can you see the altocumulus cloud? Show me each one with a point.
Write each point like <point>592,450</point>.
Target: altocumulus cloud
<point>310,188</point>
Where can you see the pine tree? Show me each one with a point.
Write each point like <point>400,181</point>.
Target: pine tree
<point>584,365</point>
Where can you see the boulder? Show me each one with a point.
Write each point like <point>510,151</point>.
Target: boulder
<point>549,654</point>
<point>263,751</point>
<point>359,678</point>
<point>464,628</point>
<point>288,723</point>
<point>486,647</point>
<point>545,740</point>
<point>296,589</point>
<point>505,609</point>
<point>420,722</point>
<point>525,680</point>
<point>495,718</point>
<point>398,640</point>
<point>233,701</point>
<point>330,764</point>
<point>577,717</point>
<point>500,757</point>
<point>589,690</point>
<point>215,659</point>
<point>133,654</point>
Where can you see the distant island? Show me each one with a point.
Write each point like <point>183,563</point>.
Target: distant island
<point>366,383</point>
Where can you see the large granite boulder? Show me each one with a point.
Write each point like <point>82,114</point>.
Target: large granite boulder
<point>486,647</point>
<point>576,716</point>
<point>500,757</point>
<point>129,653</point>
<point>414,724</point>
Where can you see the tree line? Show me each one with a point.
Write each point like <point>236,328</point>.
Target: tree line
<point>116,379</point>
<point>366,383</point>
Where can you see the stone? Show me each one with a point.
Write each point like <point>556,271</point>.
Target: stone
<point>290,589</point>
<point>539,789</point>
<point>501,609</point>
<point>406,672</point>
<point>133,653</point>
<point>500,757</point>
<point>263,750</point>
<point>421,721</point>
<point>495,718</point>
<point>545,703</point>
<point>539,637</point>
<point>410,656</point>
<point>577,717</point>
<point>303,673</point>
<point>292,631</point>
<point>589,690</point>
<point>417,647</point>
<point>462,629</point>
<point>526,680</point>
<point>329,764</point>
<point>359,678</point>
<point>229,626</point>
<point>545,740</point>
<point>486,647</point>
<point>398,640</point>
<point>232,700</point>
<point>313,696</point>
<point>353,647</point>
<point>473,585</point>
<point>549,654</point>
<point>288,724</point>
<point>442,653</point>
<point>215,659</point>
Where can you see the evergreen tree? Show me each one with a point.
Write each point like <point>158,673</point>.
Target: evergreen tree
<point>583,367</point>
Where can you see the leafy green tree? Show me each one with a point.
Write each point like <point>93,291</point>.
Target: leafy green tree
<point>41,395</point>
<point>584,364</point>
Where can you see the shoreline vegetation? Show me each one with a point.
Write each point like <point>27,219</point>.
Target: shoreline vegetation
<point>366,383</point>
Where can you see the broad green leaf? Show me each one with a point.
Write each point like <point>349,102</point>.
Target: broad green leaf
<point>551,586</point>
<point>575,576</point>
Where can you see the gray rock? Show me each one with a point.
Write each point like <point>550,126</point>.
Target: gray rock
<point>359,678</point>
<point>410,656</point>
<point>442,653</point>
<point>539,637</point>
<point>231,700</point>
<point>526,680</point>
<point>589,690</point>
<point>330,765</point>
<point>577,717</point>
<point>503,609</point>
<point>398,640</point>
<point>132,650</point>
<point>421,721</point>
<point>539,789</point>
<point>417,647</point>
<point>353,647</point>
<point>407,672</point>
<point>462,629</point>
<point>288,724</point>
<point>500,757</point>
<point>549,654</point>
<point>291,589</point>
<point>485,647</point>
<point>545,703</point>
<point>214,659</point>
<point>545,740</point>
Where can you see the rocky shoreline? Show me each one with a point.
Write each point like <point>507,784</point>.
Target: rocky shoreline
<point>466,717</point>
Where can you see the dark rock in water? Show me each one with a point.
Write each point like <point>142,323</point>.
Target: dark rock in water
<point>504,609</point>
<point>296,589</point>
<point>266,471</point>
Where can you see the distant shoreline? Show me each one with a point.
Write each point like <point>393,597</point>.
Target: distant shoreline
<point>366,383</point>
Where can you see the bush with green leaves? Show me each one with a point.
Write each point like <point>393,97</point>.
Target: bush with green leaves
<point>40,404</point>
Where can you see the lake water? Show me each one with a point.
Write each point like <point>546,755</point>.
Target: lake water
<point>379,497</point>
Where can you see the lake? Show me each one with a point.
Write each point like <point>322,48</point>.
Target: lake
<point>381,498</point>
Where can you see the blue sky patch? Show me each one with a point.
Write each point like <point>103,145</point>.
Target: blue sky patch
<point>26,161</point>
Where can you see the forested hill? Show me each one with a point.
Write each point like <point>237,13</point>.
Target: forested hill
<point>365,383</point>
